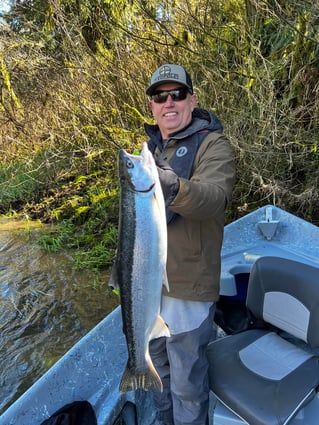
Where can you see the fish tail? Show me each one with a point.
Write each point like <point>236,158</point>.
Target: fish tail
<point>149,381</point>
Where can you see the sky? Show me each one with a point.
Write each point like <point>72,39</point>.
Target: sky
<point>5,6</point>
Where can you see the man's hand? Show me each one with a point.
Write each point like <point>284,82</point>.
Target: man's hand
<point>169,180</point>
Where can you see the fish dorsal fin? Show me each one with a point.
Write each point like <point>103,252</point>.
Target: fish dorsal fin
<point>113,282</point>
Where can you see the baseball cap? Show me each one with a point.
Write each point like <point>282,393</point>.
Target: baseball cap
<point>170,73</point>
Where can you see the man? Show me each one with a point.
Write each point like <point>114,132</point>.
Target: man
<point>197,173</point>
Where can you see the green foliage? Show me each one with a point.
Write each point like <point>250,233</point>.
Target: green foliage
<point>20,182</point>
<point>89,226</point>
<point>97,250</point>
<point>102,253</point>
<point>73,93</point>
<point>53,240</point>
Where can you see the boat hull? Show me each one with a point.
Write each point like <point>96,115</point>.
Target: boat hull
<point>92,369</point>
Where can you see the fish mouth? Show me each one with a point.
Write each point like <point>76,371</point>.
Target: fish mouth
<point>145,190</point>
<point>135,171</point>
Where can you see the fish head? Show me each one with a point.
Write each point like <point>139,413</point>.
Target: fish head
<point>138,172</point>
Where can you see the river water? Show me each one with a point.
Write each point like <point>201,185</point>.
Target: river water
<point>46,306</point>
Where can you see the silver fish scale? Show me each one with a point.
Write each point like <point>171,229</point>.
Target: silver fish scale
<point>141,264</point>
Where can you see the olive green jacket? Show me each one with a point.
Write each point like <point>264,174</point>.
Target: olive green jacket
<point>195,235</point>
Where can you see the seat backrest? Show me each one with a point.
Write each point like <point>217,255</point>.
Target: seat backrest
<point>285,293</point>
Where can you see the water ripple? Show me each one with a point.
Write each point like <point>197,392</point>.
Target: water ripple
<point>45,307</point>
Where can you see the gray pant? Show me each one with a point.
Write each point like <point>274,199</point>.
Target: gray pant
<point>181,362</point>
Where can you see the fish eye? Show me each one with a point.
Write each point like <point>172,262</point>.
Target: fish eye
<point>129,164</point>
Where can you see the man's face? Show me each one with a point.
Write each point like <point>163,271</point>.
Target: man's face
<point>172,115</point>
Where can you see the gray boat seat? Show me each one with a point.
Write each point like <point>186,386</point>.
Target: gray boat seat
<point>265,376</point>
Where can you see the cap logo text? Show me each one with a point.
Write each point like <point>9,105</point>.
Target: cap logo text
<point>165,73</point>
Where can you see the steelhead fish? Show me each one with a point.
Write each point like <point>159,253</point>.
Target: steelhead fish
<point>140,266</point>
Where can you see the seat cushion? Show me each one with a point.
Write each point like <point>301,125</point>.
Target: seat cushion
<point>276,282</point>
<point>261,377</point>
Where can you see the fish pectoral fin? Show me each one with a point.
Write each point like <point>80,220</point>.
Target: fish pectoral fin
<point>113,279</point>
<point>149,381</point>
<point>165,279</point>
<point>160,329</point>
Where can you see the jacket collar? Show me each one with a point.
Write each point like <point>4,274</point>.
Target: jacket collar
<point>201,120</point>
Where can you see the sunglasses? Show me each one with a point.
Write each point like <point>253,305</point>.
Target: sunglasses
<point>177,95</point>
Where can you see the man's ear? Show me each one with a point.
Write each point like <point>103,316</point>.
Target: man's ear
<point>194,101</point>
